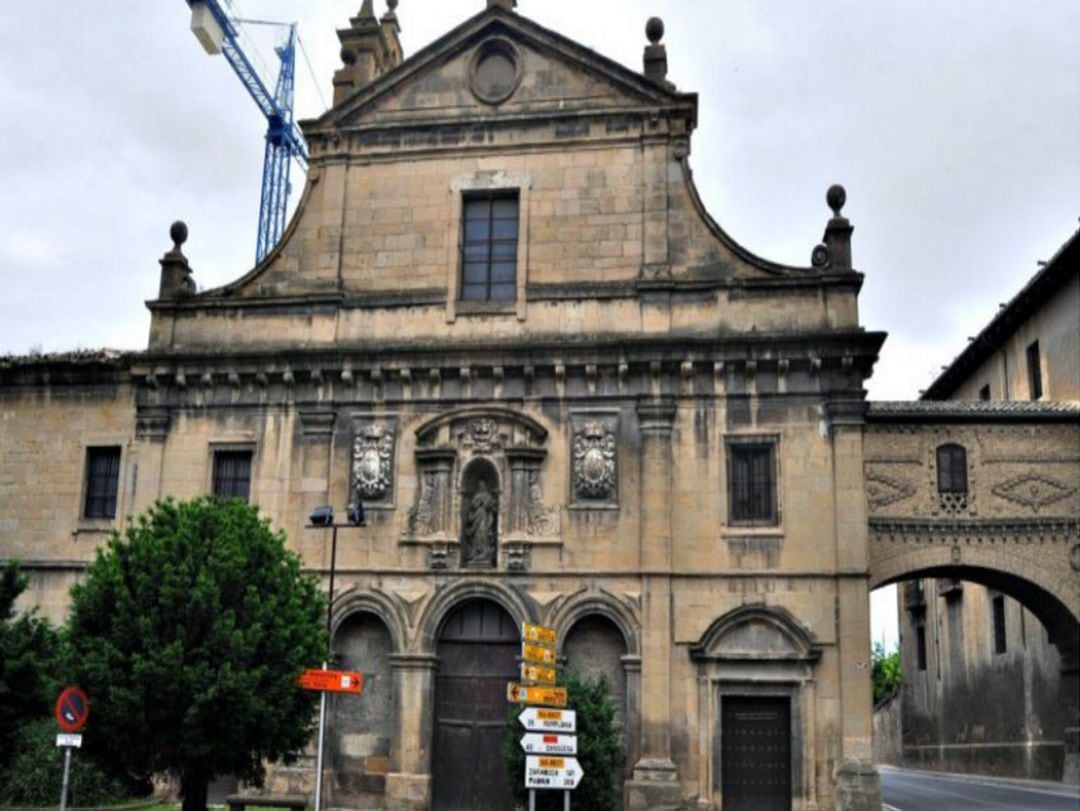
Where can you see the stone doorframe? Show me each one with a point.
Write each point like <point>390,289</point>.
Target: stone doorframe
<point>757,650</point>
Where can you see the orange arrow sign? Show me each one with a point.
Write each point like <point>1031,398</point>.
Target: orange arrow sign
<point>332,681</point>
<point>552,696</point>
<point>538,633</point>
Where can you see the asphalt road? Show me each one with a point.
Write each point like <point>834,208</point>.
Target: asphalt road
<point>906,790</point>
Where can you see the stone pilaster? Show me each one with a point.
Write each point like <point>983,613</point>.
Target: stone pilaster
<point>655,784</point>
<point>858,786</point>
<point>408,787</point>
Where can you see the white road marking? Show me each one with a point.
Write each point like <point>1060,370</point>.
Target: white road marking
<point>1002,784</point>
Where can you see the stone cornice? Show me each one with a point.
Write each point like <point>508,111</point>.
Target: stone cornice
<point>1033,529</point>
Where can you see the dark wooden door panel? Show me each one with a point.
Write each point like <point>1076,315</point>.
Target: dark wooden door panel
<point>756,753</point>
<point>477,657</point>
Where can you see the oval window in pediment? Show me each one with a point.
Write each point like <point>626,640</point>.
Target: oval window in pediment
<point>496,71</point>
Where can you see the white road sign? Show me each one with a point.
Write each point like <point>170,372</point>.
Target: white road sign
<point>561,773</point>
<point>67,739</point>
<point>541,719</point>
<point>539,743</point>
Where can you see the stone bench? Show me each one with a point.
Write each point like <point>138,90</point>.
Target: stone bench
<point>239,802</point>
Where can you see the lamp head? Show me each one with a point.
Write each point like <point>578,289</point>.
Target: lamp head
<point>322,516</point>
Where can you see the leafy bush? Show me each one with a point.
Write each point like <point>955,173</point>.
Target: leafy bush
<point>885,672</point>
<point>28,647</point>
<point>35,773</point>
<point>599,750</point>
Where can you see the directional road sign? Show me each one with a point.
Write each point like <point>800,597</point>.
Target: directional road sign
<point>541,719</point>
<point>552,696</point>
<point>72,709</point>
<point>540,654</point>
<point>538,633</point>
<point>546,743</point>
<point>332,681</point>
<point>552,772</point>
<point>538,674</point>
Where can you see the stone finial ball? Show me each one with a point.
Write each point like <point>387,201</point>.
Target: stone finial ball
<point>836,196</point>
<point>654,30</point>
<point>391,4</point>
<point>178,232</point>
<point>348,56</point>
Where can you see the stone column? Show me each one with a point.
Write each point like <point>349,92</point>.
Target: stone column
<point>858,786</point>
<point>523,462</point>
<point>408,787</point>
<point>655,784</point>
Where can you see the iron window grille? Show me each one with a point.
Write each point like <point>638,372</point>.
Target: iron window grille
<point>232,474</point>
<point>489,246</point>
<point>102,482</point>
<point>752,496</point>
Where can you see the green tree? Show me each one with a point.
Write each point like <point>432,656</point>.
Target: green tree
<point>599,751</point>
<point>885,672</point>
<point>28,646</point>
<point>188,634</point>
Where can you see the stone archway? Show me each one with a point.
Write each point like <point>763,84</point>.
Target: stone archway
<point>478,648</point>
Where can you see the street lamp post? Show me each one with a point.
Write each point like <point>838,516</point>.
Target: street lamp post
<point>323,518</point>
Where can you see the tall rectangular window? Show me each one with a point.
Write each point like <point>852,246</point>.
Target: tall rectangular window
<point>1034,371</point>
<point>920,647</point>
<point>102,482</point>
<point>984,393</point>
<point>232,474</point>
<point>752,483</point>
<point>489,247</point>
<point>1000,642</point>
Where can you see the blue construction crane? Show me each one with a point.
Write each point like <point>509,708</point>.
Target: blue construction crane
<point>218,32</point>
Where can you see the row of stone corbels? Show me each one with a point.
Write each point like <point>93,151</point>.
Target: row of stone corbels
<point>688,376</point>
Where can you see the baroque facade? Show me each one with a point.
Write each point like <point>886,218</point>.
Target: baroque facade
<point>990,683</point>
<point>503,320</point>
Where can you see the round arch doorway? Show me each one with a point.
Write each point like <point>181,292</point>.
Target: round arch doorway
<point>478,649</point>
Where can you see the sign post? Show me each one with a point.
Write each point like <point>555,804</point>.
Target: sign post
<point>72,710</point>
<point>547,766</point>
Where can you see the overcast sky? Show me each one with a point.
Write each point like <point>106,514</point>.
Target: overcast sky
<point>954,125</point>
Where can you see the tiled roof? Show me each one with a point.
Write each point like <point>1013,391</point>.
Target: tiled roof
<point>980,410</point>
<point>75,356</point>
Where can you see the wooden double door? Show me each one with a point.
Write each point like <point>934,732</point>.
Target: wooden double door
<point>755,735</point>
<point>478,651</point>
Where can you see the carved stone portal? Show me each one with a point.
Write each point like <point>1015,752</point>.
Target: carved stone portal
<point>595,472</point>
<point>373,462</point>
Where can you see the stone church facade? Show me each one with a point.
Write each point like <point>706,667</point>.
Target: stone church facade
<point>503,320</point>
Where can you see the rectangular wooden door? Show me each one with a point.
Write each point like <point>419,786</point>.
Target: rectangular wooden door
<point>755,735</point>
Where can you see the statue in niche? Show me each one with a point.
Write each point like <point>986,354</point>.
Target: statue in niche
<point>480,515</point>
<point>480,525</point>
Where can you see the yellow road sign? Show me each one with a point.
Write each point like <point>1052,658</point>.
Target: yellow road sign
<point>537,653</point>
<point>537,674</point>
<point>538,633</point>
<point>551,696</point>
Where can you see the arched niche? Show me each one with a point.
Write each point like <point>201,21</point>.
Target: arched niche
<point>758,653</point>
<point>362,728</point>
<point>480,513</point>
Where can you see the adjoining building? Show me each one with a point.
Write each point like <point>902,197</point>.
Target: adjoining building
<point>983,684</point>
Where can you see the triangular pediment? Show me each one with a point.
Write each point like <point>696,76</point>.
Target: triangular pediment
<point>545,73</point>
